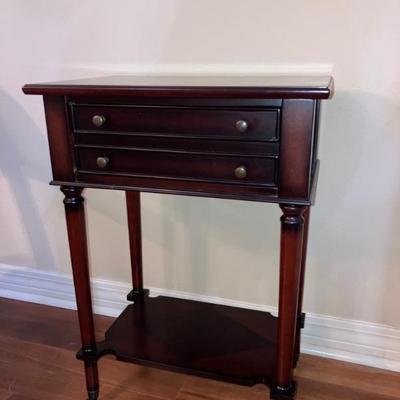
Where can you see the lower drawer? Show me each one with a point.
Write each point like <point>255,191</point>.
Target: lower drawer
<point>175,165</point>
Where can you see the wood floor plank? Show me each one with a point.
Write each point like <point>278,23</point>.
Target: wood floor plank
<point>4,394</point>
<point>53,369</point>
<point>372,380</point>
<point>42,324</point>
<point>38,396</point>
<point>205,389</point>
<point>311,389</point>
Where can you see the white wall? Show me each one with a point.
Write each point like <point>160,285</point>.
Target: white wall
<point>217,247</point>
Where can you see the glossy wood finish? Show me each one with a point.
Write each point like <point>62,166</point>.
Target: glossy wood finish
<point>192,146</point>
<point>282,115</point>
<point>238,87</point>
<point>298,118</point>
<point>181,136</point>
<point>182,166</point>
<point>76,226</point>
<point>183,187</point>
<point>289,283</point>
<point>37,350</point>
<point>186,122</point>
<point>60,138</point>
<point>135,239</point>
<point>209,340</point>
<point>300,315</point>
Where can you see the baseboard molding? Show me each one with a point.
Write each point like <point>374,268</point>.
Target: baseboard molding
<point>348,340</point>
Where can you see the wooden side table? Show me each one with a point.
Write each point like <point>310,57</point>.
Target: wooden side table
<point>248,138</point>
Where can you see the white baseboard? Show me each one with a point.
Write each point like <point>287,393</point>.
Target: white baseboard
<point>348,340</point>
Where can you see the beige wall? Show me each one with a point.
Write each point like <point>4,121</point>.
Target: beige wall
<point>217,247</point>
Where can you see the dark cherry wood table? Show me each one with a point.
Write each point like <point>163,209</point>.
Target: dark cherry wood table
<point>248,138</point>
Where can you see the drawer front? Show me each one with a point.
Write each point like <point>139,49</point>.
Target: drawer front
<point>255,124</point>
<point>190,145</point>
<point>155,164</point>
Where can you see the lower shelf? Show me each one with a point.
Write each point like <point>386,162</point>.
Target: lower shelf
<point>209,340</point>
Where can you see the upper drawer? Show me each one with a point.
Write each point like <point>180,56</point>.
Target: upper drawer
<point>254,124</point>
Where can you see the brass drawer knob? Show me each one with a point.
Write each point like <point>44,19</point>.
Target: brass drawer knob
<point>241,172</point>
<point>102,162</point>
<point>242,125</point>
<point>98,120</point>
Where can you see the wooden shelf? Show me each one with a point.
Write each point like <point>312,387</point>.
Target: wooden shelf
<point>214,341</point>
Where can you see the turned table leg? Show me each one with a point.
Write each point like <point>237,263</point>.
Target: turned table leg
<point>75,216</point>
<point>300,314</point>
<point>135,243</point>
<point>292,225</point>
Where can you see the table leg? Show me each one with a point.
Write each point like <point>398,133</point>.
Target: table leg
<point>300,314</point>
<point>76,225</point>
<point>135,243</point>
<point>292,224</point>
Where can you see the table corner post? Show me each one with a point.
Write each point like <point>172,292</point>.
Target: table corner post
<point>76,227</point>
<point>135,244</point>
<point>301,316</point>
<point>292,228</point>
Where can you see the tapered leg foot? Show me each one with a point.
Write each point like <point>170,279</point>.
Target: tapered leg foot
<point>135,295</point>
<point>93,394</point>
<point>279,393</point>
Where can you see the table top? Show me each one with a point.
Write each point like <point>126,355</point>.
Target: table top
<point>272,86</point>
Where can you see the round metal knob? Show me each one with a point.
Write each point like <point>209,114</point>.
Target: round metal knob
<point>102,162</point>
<point>242,125</point>
<point>98,120</point>
<point>241,172</point>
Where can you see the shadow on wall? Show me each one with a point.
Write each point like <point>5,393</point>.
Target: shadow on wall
<point>356,251</point>
<point>21,163</point>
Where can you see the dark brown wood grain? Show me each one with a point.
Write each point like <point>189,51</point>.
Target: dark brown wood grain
<point>178,165</point>
<point>76,226</point>
<point>135,238</point>
<point>295,168</point>
<point>38,363</point>
<point>189,125</point>
<point>182,144</point>
<point>269,87</point>
<point>263,124</point>
<point>292,225</point>
<point>306,216</point>
<point>154,101</point>
<point>209,340</point>
<point>173,186</point>
<point>60,138</point>
<point>179,135</point>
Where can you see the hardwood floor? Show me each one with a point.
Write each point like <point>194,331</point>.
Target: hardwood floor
<point>37,362</point>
